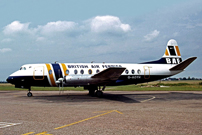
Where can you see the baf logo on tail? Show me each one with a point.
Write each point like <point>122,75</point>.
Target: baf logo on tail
<point>96,76</point>
<point>172,53</point>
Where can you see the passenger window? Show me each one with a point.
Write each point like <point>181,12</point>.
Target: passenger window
<point>90,71</point>
<point>24,68</point>
<point>75,71</point>
<point>50,72</point>
<point>126,71</point>
<point>138,71</point>
<point>133,71</point>
<point>21,68</point>
<point>81,71</point>
<point>97,71</point>
<point>67,72</point>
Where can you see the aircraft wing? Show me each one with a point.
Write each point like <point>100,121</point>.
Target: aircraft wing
<point>183,64</point>
<point>112,74</point>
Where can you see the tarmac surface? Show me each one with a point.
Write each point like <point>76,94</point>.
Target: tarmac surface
<point>117,112</point>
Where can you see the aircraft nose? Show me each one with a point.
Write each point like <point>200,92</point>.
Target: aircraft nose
<point>9,79</point>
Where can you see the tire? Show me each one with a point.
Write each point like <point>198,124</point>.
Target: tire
<point>99,93</point>
<point>29,94</point>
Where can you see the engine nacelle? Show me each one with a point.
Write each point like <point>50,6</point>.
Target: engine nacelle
<point>78,80</point>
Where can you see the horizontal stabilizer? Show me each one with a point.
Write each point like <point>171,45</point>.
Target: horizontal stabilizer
<point>112,73</point>
<point>183,64</point>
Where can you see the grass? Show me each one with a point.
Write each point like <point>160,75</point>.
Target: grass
<point>151,86</point>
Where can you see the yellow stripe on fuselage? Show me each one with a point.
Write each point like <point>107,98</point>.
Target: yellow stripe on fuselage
<point>64,69</point>
<point>51,75</point>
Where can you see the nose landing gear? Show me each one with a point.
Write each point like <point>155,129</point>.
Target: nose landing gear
<point>29,94</point>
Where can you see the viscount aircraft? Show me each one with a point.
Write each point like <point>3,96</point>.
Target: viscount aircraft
<point>96,76</point>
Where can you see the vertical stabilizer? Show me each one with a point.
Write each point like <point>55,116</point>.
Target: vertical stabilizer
<point>172,54</point>
<point>172,49</point>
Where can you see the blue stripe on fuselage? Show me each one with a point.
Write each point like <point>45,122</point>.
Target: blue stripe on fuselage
<point>57,70</point>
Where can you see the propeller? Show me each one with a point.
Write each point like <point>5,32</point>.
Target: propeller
<point>60,82</point>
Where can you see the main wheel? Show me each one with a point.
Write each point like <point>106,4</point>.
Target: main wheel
<point>99,93</point>
<point>29,94</point>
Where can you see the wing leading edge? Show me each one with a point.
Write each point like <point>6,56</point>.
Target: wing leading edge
<point>112,74</point>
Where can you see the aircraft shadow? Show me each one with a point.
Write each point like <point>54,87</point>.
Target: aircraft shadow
<point>84,97</point>
<point>125,98</point>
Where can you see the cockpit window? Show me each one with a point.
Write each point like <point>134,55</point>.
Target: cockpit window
<point>23,68</point>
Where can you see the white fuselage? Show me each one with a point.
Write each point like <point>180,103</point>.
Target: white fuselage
<point>79,74</point>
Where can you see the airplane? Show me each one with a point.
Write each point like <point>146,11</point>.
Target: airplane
<point>94,77</point>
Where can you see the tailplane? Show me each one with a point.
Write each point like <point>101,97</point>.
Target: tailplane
<point>183,64</point>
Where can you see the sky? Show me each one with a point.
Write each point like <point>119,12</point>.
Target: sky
<point>130,31</point>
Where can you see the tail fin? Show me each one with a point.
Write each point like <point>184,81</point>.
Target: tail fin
<point>171,56</point>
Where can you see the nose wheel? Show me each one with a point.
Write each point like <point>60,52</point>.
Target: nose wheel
<point>29,94</point>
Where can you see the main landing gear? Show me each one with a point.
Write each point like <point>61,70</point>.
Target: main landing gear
<point>96,91</point>
<point>29,94</point>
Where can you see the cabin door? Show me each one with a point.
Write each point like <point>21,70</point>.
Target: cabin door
<point>38,73</point>
<point>146,72</point>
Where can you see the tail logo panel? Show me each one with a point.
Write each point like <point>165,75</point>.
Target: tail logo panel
<point>172,50</point>
<point>166,53</point>
<point>173,60</point>
<point>178,51</point>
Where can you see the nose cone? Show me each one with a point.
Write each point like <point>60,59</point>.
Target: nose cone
<point>9,79</point>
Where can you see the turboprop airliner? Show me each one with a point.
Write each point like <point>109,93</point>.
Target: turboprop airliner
<point>96,76</point>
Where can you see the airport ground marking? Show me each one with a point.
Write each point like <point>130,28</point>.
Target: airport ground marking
<point>107,111</point>
<point>28,133</point>
<point>147,100</point>
<point>6,124</point>
<point>88,119</point>
<point>42,133</point>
